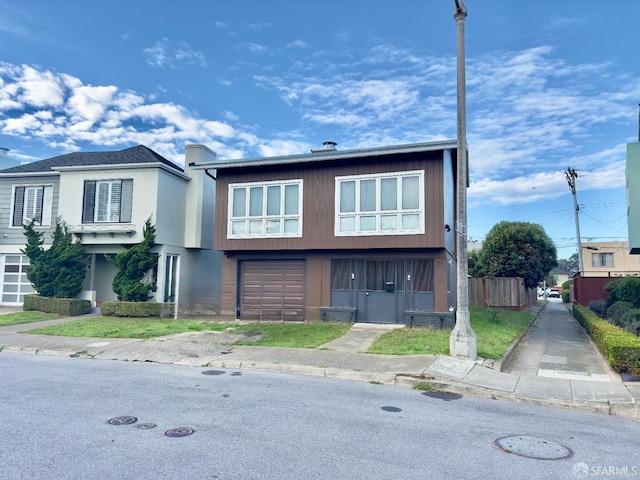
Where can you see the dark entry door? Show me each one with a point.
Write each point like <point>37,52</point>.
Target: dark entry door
<point>377,291</point>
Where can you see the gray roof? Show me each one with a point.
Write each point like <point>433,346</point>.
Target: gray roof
<point>329,155</point>
<point>133,155</point>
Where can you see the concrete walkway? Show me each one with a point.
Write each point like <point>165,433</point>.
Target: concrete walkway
<point>554,363</point>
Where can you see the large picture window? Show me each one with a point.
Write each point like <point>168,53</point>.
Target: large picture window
<point>32,202</point>
<point>382,204</point>
<point>107,201</point>
<point>266,209</point>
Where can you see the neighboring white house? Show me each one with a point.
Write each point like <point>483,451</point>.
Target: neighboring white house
<point>105,199</point>
<point>609,259</point>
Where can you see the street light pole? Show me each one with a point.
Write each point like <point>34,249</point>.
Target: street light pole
<point>462,341</point>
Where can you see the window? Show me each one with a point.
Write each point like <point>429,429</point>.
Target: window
<point>32,202</point>
<point>383,204</point>
<point>602,259</point>
<point>269,209</point>
<point>107,201</point>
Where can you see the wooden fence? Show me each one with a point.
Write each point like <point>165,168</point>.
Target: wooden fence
<point>501,292</point>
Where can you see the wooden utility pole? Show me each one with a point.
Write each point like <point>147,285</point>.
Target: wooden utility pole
<point>571,175</point>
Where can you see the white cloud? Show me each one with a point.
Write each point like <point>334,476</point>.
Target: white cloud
<point>166,53</point>
<point>298,44</point>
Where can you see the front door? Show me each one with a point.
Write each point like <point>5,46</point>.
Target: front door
<point>377,291</point>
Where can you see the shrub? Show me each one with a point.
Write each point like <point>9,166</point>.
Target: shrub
<point>566,298</point>
<point>599,307</point>
<point>67,307</point>
<point>630,317</point>
<point>617,310</point>
<point>626,289</point>
<point>136,309</point>
<point>621,348</point>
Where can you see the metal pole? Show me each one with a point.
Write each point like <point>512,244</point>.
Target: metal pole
<point>462,341</point>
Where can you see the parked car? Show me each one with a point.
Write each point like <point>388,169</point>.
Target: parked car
<point>554,293</point>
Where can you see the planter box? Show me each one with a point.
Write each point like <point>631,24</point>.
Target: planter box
<point>421,318</point>
<point>338,314</point>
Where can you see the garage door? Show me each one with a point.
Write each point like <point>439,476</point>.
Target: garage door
<point>272,290</point>
<point>14,284</point>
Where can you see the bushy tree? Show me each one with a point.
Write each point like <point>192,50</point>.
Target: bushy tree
<point>132,282</point>
<point>59,270</point>
<point>517,249</point>
<point>624,288</point>
<point>569,265</point>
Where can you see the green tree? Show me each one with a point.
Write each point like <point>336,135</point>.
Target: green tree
<point>625,289</point>
<point>132,282</point>
<point>59,270</point>
<point>517,249</point>
<point>569,265</point>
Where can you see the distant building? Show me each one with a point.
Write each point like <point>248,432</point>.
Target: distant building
<point>609,259</point>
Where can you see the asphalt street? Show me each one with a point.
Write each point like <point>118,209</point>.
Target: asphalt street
<point>256,425</point>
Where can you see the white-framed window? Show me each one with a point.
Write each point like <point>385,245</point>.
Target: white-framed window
<point>380,204</point>
<point>602,259</point>
<point>107,201</point>
<point>32,202</point>
<point>265,209</point>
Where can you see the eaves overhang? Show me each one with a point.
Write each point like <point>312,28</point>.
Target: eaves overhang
<point>330,155</point>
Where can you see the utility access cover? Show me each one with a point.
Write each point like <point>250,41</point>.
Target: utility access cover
<point>533,447</point>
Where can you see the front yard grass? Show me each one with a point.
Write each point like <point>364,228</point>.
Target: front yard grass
<point>297,335</point>
<point>494,329</point>
<point>25,317</point>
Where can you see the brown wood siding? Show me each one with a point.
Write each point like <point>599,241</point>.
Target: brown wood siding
<point>229,286</point>
<point>319,204</point>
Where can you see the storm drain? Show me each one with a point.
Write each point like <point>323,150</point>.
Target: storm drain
<point>179,432</point>
<point>125,420</point>
<point>533,447</point>
<point>146,426</point>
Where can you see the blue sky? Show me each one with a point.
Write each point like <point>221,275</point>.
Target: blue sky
<point>550,84</point>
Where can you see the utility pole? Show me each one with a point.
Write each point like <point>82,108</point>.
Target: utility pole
<point>462,341</point>
<point>571,175</point>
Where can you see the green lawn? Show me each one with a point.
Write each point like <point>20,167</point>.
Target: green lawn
<point>494,335</point>
<point>297,335</point>
<point>25,317</point>
<point>495,330</point>
<point>120,327</point>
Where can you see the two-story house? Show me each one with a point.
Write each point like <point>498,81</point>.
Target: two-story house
<point>371,230</point>
<point>609,259</point>
<point>105,198</point>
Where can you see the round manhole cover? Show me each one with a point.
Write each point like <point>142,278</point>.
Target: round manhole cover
<point>445,396</point>
<point>146,426</point>
<point>125,420</point>
<point>213,372</point>
<point>391,409</point>
<point>533,447</point>
<point>179,432</point>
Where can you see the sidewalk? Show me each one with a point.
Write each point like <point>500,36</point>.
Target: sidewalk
<point>549,366</point>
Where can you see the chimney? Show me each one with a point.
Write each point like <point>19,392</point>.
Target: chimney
<point>326,147</point>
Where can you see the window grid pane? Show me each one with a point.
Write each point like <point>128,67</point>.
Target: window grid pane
<point>386,204</point>
<point>273,210</point>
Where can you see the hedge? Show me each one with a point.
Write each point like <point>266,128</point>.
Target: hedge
<point>68,307</point>
<point>136,309</point>
<point>621,348</point>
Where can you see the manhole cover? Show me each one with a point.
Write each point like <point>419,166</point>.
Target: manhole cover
<point>236,374</point>
<point>391,409</point>
<point>146,426</point>
<point>179,432</point>
<point>533,447</point>
<point>213,372</point>
<point>126,420</point>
